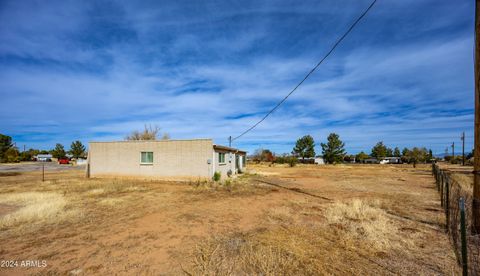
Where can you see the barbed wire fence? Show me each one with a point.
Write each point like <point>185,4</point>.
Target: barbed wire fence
<point>456,200</point>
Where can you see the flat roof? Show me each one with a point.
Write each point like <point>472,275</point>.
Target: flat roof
<point>220,147</point>
<point>216,147</point>
<point>142,141</point>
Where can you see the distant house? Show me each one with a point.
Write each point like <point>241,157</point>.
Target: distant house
<point>198,158</point>
<point>383,160</point>
<point>319,160</point>
<point>80,161</point>
<point>43,157</point>
<point>371,161</point>
<point>391,160</point>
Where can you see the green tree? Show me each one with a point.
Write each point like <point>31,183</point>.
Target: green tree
<point>11,155</point>
<point>379,150</point>
<point>58,151</point>
<point>361,156</point>
<point>349,158</point>
<point>77,149</point>
<point>305,147</point>
<point>430,155</point>
<point>406,153</point>
<point>470,154</point>
<point>334,150</point>
<point>5,144</point>
<point>389,152</point>
<point>396,152</point>
<point>417,155</point>
<point>28,155</point>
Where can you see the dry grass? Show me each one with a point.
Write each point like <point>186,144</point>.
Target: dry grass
<point>35,208</point>
<point>238,186</point>
<point>60,199</point>
<point>103,187</point>
<point>244,255</point>
<point>291,243</point>
<point>234,227</point>
<point>363,221</point>
<point>111,201</point>
<point>464,180</point>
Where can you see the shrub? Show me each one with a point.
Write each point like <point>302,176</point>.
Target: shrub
<point>228,184</point>
<point>216,176</point>
<point>292,161</point>
<point>286,160</point>
<point>11,155</point>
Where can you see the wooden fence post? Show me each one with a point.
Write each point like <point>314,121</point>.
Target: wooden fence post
<point>447,203</point>
<point>463,233</point>
<point>442,177</point>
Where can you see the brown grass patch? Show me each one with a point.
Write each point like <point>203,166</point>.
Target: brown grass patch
<point>241,254</point>
<point>363,221</point>
<point>36,208</point>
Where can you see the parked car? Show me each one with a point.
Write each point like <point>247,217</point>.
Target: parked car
<point>63,161</point>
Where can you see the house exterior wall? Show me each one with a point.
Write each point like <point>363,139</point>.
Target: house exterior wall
<point>241,160</point>
<point>230,162</point>
<point>171,158</point>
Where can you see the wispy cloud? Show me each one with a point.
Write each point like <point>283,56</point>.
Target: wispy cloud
<point>96,71</point>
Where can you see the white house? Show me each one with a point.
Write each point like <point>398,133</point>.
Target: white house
<point>43,157</point>
<point>319,160</point>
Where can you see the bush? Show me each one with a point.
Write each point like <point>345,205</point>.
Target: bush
<point>216,176</point>
<point>11,155</point>
<point>292,161</point>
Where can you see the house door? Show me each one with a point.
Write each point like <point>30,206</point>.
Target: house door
<point>237,162</point>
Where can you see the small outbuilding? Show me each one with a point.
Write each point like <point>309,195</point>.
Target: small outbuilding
<point>176,159</point>
<point>391,160</point>
<point>319,160</point>
<point>43,157</point>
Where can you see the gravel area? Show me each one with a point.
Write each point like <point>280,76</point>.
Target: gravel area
<point>37,166</point>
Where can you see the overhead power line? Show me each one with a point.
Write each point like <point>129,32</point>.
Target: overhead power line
<point>309,73</point>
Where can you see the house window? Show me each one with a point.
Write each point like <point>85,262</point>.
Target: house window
<point>146,157</point>
<point>221,157</point>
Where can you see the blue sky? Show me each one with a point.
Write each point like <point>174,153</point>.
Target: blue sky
<point>96,70</point>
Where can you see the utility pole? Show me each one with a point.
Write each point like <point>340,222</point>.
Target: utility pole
<point>463,148</point>
<point>453,151</point>
<point>476,164</point>
<point>230,141</point>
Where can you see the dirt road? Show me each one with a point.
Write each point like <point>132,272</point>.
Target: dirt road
<point>37,167</point>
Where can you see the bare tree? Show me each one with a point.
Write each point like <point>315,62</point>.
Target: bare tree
<point>166,136</point>
<point>149,133</point>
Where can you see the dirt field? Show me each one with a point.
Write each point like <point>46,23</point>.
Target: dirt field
<point>313,220</point>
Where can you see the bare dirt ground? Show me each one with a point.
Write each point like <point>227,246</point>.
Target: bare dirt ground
<point>310,220</point>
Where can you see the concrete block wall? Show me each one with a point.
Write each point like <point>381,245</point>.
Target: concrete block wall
<point>171,158</point>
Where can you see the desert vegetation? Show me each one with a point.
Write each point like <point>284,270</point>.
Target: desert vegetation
<point>270,220</point>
